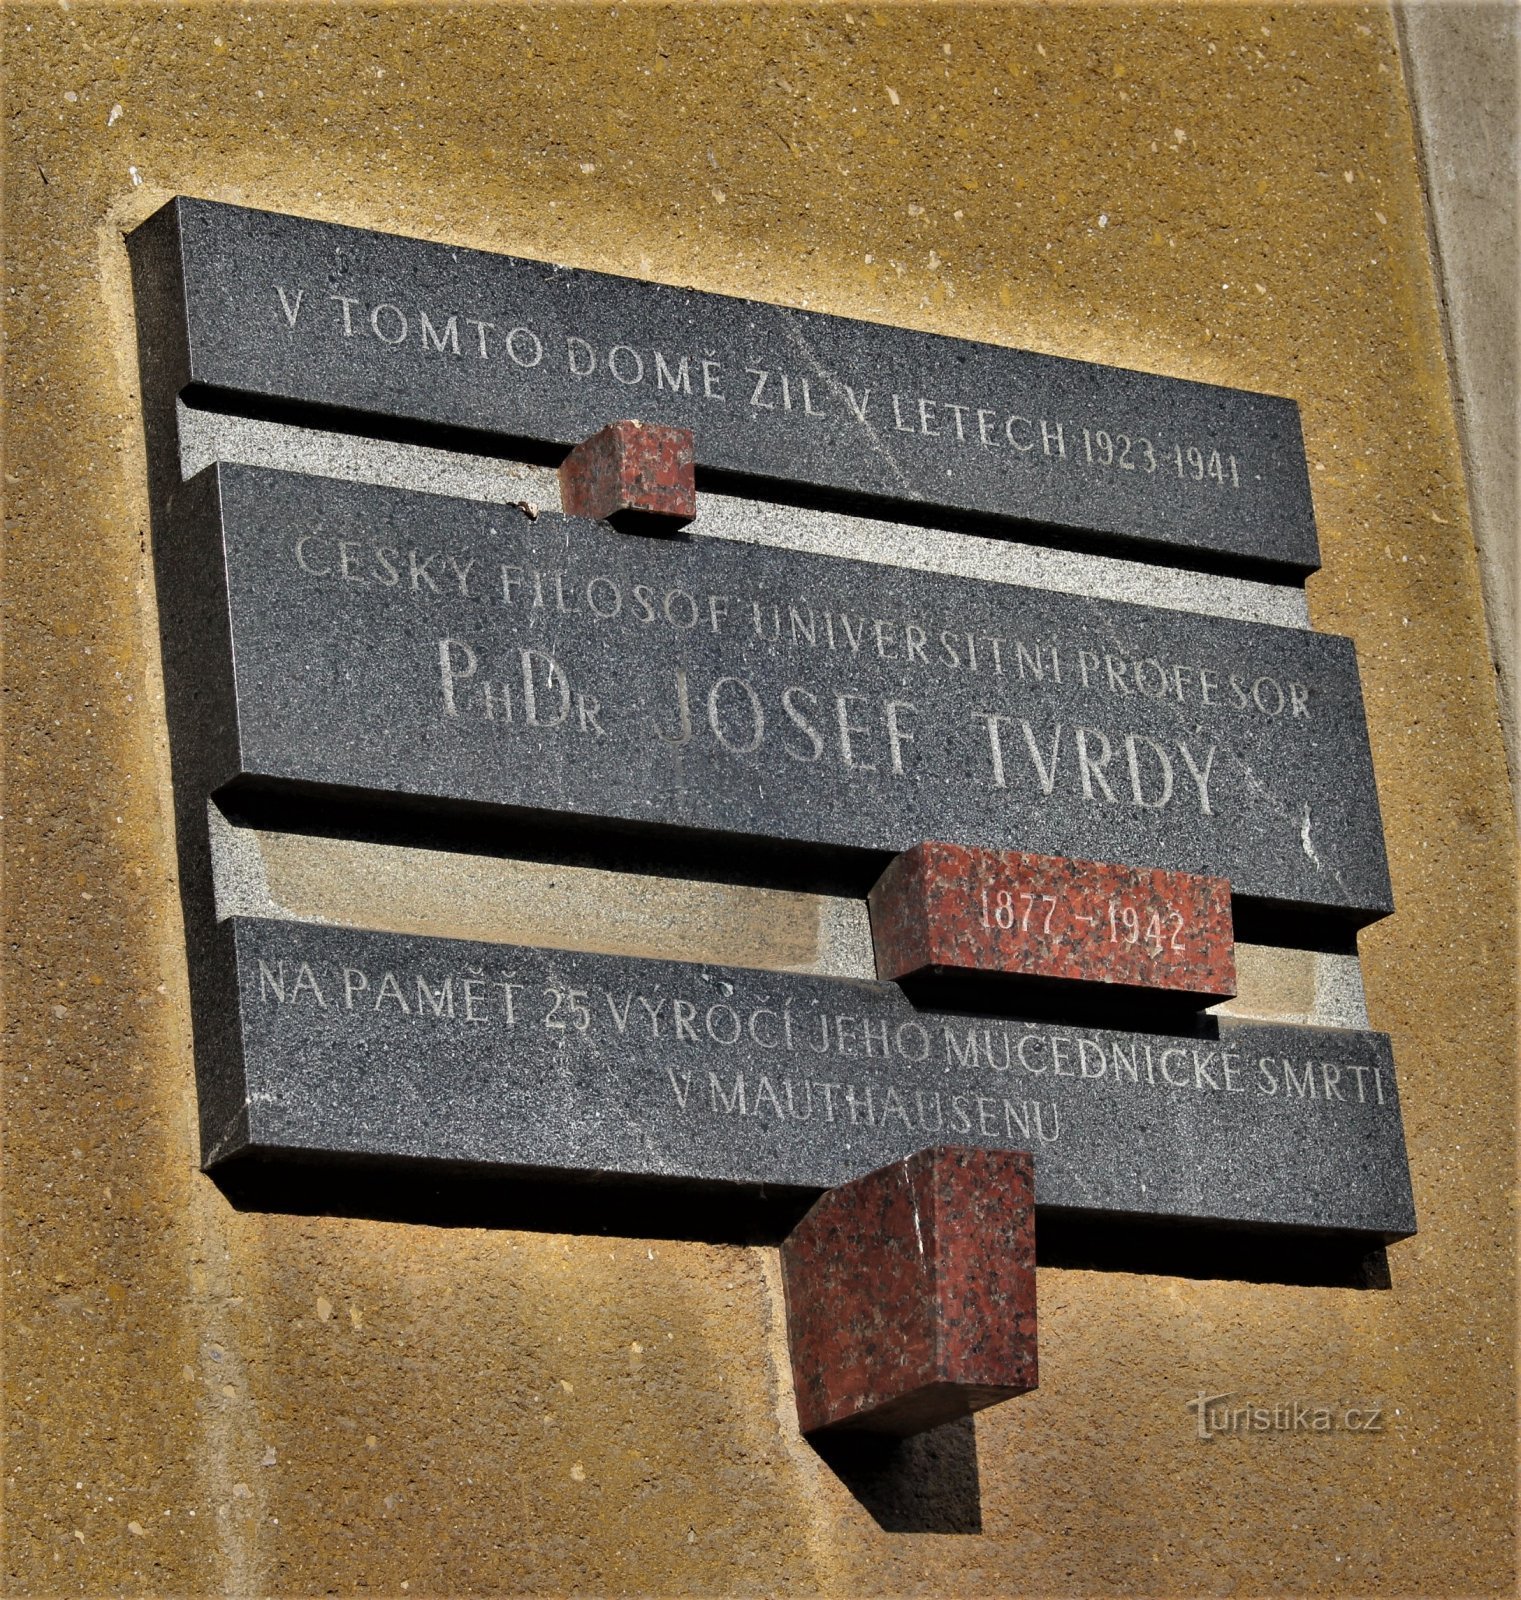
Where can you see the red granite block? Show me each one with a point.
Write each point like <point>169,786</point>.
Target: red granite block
<point>942,908</point>
<point>911,1293</point>
<point>632,474</point>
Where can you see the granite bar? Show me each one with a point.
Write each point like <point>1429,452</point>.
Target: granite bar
<point>259,310</point>
<point>942,908</point>
<point>344,639</point>
<point>911,1293</point>
<point>339,1044</point>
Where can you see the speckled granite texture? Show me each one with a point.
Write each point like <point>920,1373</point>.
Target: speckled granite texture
<point>288,309</point>
<point>466,653</point>
<point>943,907</point>
<point>636,475</point>
<point>304,1404</point>
<point>911,1292</point>
<point>206,436</point>
<point>357,1047</point>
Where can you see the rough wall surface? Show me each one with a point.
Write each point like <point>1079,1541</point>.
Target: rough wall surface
<point>1463,67</point>
<point>202,1400</point>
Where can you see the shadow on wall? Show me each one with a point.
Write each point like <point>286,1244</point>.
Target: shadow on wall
<point>925,1484</point>
<point>441,1196</point>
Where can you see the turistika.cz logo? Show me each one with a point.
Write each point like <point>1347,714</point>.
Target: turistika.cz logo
<point>1216,1414</point>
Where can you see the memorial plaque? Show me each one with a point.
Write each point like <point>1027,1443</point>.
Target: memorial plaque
<point>278,310</point>
<point>337,1043</point>
<point>941,908</point>
<point>392,645</point>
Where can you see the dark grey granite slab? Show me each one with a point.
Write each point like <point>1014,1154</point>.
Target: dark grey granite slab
<point>390,644</point>
<point>282,310</point>
<point>359,1044</point>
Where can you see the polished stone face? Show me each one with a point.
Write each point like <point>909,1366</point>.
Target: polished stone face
<point>341,1042</point>
<point>942,908</point>
<point>277,308</point>
<point>392,644</point>
<point>480,124</point>
<point>636,475</point>
<point>911,1293</point>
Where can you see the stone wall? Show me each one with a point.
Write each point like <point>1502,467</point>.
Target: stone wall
<point>205,1397</point>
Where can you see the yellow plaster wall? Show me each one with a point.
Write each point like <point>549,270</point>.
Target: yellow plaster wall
<point>205,1401</point>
